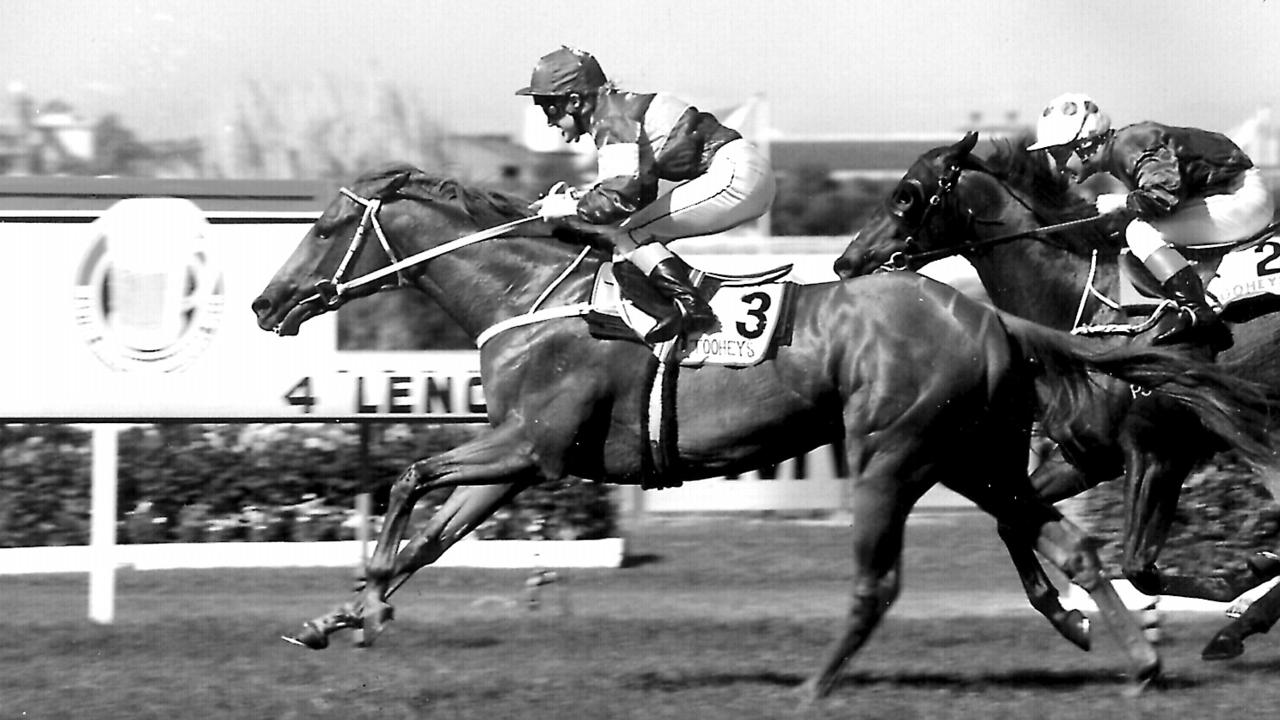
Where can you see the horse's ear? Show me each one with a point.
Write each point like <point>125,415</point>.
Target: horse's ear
<point>967,143</point>
<point>394,184</point>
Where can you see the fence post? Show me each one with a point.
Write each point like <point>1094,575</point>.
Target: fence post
<point>102,523</point>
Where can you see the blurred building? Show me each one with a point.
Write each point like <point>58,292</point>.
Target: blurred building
<point>52,138</point>
<point>42,139</point>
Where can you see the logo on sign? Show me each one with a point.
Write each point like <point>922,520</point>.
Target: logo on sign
<point>146,296</point>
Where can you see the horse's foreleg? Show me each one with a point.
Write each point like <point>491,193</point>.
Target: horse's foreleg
<point>462,513</point>
<point>1056,479</point>
<point>1043,596</point>
<point>1259,617</point>
<point>497,458</point>
<point>1152,488</point>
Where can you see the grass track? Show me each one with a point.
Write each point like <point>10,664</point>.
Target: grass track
<point>718,619</point>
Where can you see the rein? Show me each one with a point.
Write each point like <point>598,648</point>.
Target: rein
<point>330,292</point>
<point>946,183</point>
<point>899,260</point>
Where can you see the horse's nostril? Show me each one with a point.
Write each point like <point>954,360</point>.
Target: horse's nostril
<point>260,305</point>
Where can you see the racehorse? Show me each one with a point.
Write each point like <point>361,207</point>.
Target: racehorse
<point>922,384</point>
<point>1042,253</point>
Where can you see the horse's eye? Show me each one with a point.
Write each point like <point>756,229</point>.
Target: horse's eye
<point>904,200</point>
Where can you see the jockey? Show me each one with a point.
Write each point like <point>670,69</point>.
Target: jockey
<point>1186,186</point>
<point>642,138</point>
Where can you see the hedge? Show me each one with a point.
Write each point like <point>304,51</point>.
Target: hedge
<point>251,481</point>
<point>1225,514</point>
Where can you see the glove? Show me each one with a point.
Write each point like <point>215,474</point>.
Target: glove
<point>561,201</point>
<point>1108,203</point>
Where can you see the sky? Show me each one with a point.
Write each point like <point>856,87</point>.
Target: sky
<point>824,67</point>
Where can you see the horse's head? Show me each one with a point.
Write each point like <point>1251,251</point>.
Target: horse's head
<point>381,218</point>
<point>952,202</point>
<point>915,217</point>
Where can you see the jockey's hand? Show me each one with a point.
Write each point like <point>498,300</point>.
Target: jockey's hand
<point>1109,203</point>
<point>561,201</point>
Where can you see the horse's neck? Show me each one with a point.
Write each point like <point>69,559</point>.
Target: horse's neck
<point>503,277</point>
<point>1044,284</point>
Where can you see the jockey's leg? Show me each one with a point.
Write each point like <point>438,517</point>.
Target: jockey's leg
<point>670,276</point>
<point>737,187</point>
<point>1196,321</point>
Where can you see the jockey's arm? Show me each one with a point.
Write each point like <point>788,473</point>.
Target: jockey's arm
<point>1157,181</point>
<point>628,178</point>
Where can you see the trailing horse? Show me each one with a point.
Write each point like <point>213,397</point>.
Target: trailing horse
<point>1042,253</point>
<point>922,385</point>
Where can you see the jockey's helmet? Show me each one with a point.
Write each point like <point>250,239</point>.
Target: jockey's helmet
<point>563,72</point>
<point>1068,118</point>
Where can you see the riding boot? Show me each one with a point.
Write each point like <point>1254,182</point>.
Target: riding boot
<point>1196,321</point>
<point>690,313</point>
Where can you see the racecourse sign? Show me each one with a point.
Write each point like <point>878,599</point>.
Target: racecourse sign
<point>140,312</point>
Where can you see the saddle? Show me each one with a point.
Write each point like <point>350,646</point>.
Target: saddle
<point>752,311</point>
<point>754,317</point>
<point>1241,272</point>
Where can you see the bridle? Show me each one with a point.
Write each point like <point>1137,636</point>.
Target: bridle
<point>331,292</point>
<point>915,256</point>
<point>901,259</point>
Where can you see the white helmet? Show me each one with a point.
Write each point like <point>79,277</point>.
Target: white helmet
<point>1067,118</point>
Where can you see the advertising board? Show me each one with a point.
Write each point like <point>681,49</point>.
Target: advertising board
<point>140,312</point>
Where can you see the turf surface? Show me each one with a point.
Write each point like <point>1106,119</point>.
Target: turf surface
<point>715,618</point>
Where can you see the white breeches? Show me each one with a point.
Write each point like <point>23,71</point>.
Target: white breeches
<point>738,187</point>
<point>1205,221</point>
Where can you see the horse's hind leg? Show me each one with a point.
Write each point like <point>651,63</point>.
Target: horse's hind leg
<point>879,515</point>
<point>1008,496</point>
<point>1072,551</point>
<point>1043,596</point>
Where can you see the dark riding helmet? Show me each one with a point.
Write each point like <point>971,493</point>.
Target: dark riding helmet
<point>564,72</point>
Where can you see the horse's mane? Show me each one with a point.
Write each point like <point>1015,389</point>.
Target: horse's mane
<point>477,203</point>
<point>1048,192</point>
<point>1028,172</point>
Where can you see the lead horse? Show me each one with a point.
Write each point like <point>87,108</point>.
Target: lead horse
<point>922,385</point>
<point>1042,253</point>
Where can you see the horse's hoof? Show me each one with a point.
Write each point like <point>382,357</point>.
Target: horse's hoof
<point>1264,565</point>
<point>1075,627</point>
<point>1223,646</point>
<point>1143,678</point>
<point>375,617</point>
<point>311,637</point>
<point>808,694</point>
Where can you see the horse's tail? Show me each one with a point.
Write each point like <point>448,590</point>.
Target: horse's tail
<point>1238,412</point>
